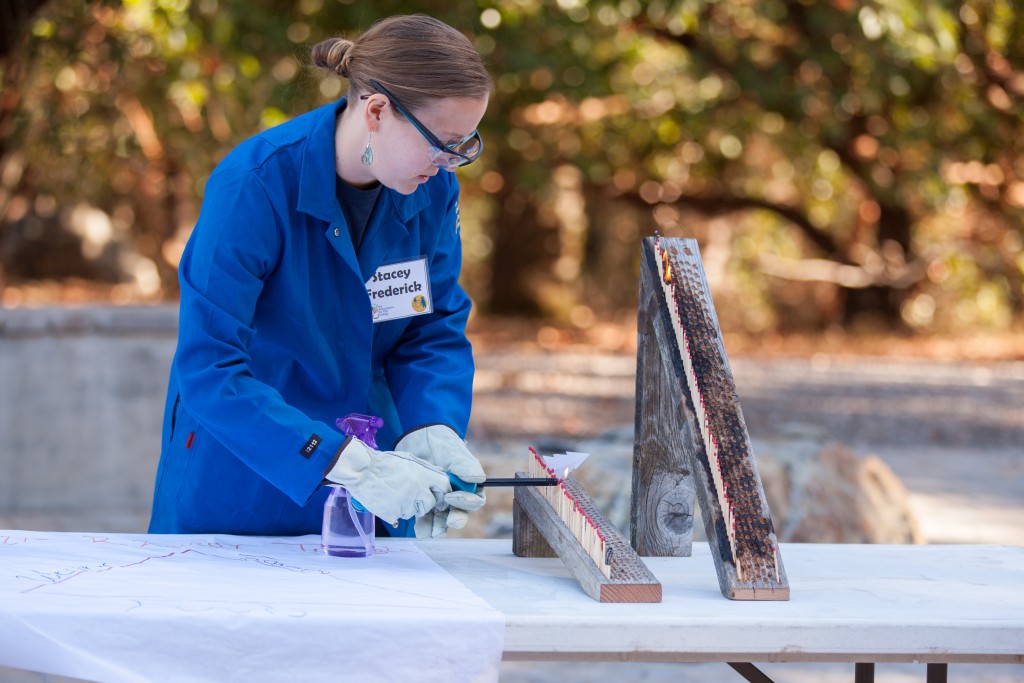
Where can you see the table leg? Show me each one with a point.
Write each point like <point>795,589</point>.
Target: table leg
<point>864,672</point>
<point>750,672</point>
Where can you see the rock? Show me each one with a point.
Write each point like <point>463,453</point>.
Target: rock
<point>821,491</point>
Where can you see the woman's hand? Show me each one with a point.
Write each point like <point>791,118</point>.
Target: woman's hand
<point>392,485</point>
<point>440,446</point>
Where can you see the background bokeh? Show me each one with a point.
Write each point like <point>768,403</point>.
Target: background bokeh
<point>852,166</point>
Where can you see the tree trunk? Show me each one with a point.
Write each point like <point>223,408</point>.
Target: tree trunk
<point>523,251</point>
<point>14,17</point>
<point>882,304</point>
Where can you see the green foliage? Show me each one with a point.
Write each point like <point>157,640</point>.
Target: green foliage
<point>848,161</point>
<point>886,135</point>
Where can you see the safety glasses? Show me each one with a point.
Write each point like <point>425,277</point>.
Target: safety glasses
<point>446,156</point>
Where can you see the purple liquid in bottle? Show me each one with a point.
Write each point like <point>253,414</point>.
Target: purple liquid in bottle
<point>348,531</point>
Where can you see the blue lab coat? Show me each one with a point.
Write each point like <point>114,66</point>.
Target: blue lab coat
<point>276,338</point>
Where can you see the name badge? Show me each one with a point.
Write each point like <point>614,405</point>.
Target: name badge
<point>400,290</point>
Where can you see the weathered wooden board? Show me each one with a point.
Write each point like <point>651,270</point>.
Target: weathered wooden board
<point>661,515</point>
<point>630,580</point>
<point>689,418</point>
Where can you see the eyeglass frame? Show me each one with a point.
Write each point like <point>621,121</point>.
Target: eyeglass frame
<point>434,141</point>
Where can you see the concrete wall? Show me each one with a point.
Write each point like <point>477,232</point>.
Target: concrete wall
<point>81,404</point>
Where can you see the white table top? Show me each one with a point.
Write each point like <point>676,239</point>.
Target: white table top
<point>849,603</point>
<point>868,603</point>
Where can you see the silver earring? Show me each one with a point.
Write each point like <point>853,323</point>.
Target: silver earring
<point>367,157</point>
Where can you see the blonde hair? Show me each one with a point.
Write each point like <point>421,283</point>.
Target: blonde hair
<point>416,57</point>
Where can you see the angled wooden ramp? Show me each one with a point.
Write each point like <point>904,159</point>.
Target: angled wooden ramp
<point>691,442</point>
<point>565,522</point>
<point>538,532</point>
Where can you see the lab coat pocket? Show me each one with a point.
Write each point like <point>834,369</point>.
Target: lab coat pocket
<point>221,494</point>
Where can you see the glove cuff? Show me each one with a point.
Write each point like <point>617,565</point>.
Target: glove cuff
<point>353,459</point>
<point>413,435</point>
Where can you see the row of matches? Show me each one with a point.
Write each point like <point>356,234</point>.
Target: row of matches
<point>572,514</point>
<point>737,517</point>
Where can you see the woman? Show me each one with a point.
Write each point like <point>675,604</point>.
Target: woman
<point>320,280</point>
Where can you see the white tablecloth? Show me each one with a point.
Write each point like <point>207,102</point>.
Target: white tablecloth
<point>124,607</point>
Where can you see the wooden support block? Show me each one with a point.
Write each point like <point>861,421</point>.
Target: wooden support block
<point>630,579</point>
<point>661,515</point>
<point>527,541</point>
<point>688,406</point>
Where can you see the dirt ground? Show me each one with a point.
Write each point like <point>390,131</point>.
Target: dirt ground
<point>950,425</point>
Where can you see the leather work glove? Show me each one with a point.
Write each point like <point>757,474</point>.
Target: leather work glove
<point>453,515</point>
<point>441,446</point>
<point>391,484</point>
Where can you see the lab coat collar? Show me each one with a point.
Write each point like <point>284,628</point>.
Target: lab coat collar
<point>317,171</point>
<point>317,196</point>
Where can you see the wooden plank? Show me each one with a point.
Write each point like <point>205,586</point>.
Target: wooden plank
<point>710,427</point>
<point>527,540</point>
<point>661,514</point>
<point>630,580</point>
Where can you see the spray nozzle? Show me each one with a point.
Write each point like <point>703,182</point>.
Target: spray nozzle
<point>363,427</point>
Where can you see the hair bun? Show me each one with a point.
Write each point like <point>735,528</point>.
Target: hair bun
<point>334,54</point>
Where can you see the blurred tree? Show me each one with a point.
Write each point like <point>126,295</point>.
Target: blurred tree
<point>114,114</point>
<point>14,15</point>
<point>126,108</point>
<point>839,161</point>
<point>885,136</point>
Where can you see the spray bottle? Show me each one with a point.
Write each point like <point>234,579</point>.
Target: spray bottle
<point>348,528</point>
